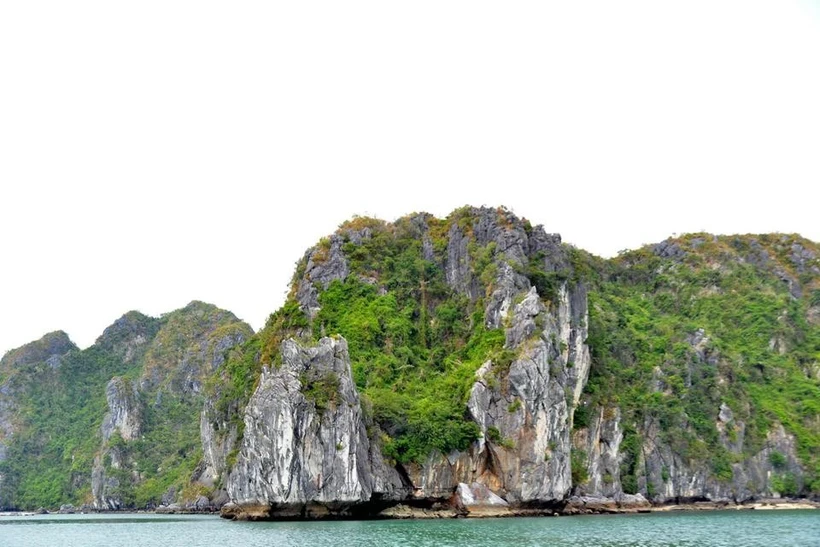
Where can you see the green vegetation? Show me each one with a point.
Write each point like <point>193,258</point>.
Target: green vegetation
<point>415,366</point>
<point>777,460</point>
<point>494,436</point>
<point>50,460</point>
<point>675,332</point>
<point>414,342</point>
<point>578,467</point>
<point>322,390</point>
<point>514,406</point>
<point>672,339</point>
<point>785,484</point>
<point>166,455</point>
<point>630,448</point>
<point>61,411</point>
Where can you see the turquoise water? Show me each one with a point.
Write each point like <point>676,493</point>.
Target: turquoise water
<point>723,528</point>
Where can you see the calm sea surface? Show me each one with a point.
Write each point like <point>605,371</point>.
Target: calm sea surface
<point>747,528</point>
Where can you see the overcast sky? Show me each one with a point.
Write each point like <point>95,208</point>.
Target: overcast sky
<point>156,152</point>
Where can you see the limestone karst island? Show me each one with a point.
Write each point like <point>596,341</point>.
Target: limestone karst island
<point>467,366</point>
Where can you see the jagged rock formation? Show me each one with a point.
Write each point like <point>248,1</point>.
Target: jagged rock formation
<point>702,436</point>
<point>300,458</point>
<point>53,344</point>
<point>529,453</point>
<point>124,412</point>
<point>473,365</point>
<point>115,425</point>
<point>522,400</point>
<point>129,336</point>
<point>125,418</point>
<point>526,412</point>
<point>601,443</point>
<point>177,354</point>
<point>218,440</point>
<point>667,476</point>
<point>305,451</point>
<point>322,266</point>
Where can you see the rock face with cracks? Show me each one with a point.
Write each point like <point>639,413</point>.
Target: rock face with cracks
<point>491,370</point>
<point>305,451</point>
<point>525,412</point>
<point>295,462</point>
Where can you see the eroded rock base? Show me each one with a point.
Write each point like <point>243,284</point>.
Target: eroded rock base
<point>437,509</point>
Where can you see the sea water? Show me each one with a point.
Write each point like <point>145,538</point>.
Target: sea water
<point>683,529</point>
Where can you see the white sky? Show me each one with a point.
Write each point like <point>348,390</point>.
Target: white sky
<point>156,152</point>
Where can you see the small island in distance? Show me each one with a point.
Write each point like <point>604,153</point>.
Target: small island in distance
<point>468,366</point>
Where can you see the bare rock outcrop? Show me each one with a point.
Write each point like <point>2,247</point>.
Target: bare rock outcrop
<point>305,450</point>
<point>323,264</point>
<point>525,412</point>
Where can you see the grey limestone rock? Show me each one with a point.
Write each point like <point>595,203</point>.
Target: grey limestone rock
<point>203,357</point>
<point>525,413</point>
<point>124,416</point>
<point>124,410</point>
<point>105,489</point>
<point>201,503</point>
<point>54,361</point>
<point>299,452</point>
<point>725,415</point>
<point>601,442</point>
<point>511,245</point>
<point>324,264</point>
<point>218,439</point>
<point>508,285</point>
<point>756,254</point>
<point>128,336</point>
<point>668,476</point>
<point>296,458</point>
<point>669,249</point>
<point>804,260</point>
<point>302,457</point>
<point>196,355</point>
<point>169,497</point>
<point>457,270</point>
<point>54,343</point>
<point>548,246</point>
<point>665,476</point>
<point>478,494</point>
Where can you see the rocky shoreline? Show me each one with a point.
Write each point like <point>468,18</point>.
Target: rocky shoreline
<point>578,506</point>
<point>447,509</point>
<point>450,509</point>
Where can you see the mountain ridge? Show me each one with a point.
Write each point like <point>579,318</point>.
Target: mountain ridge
<point>701,353</point>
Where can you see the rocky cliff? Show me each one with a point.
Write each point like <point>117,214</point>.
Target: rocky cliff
<point>305,451</point>
<point>482,272</point>
<point>160,407</point>
<point>704,347</point>
<point>473,365</point>
<point>115,425</point>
